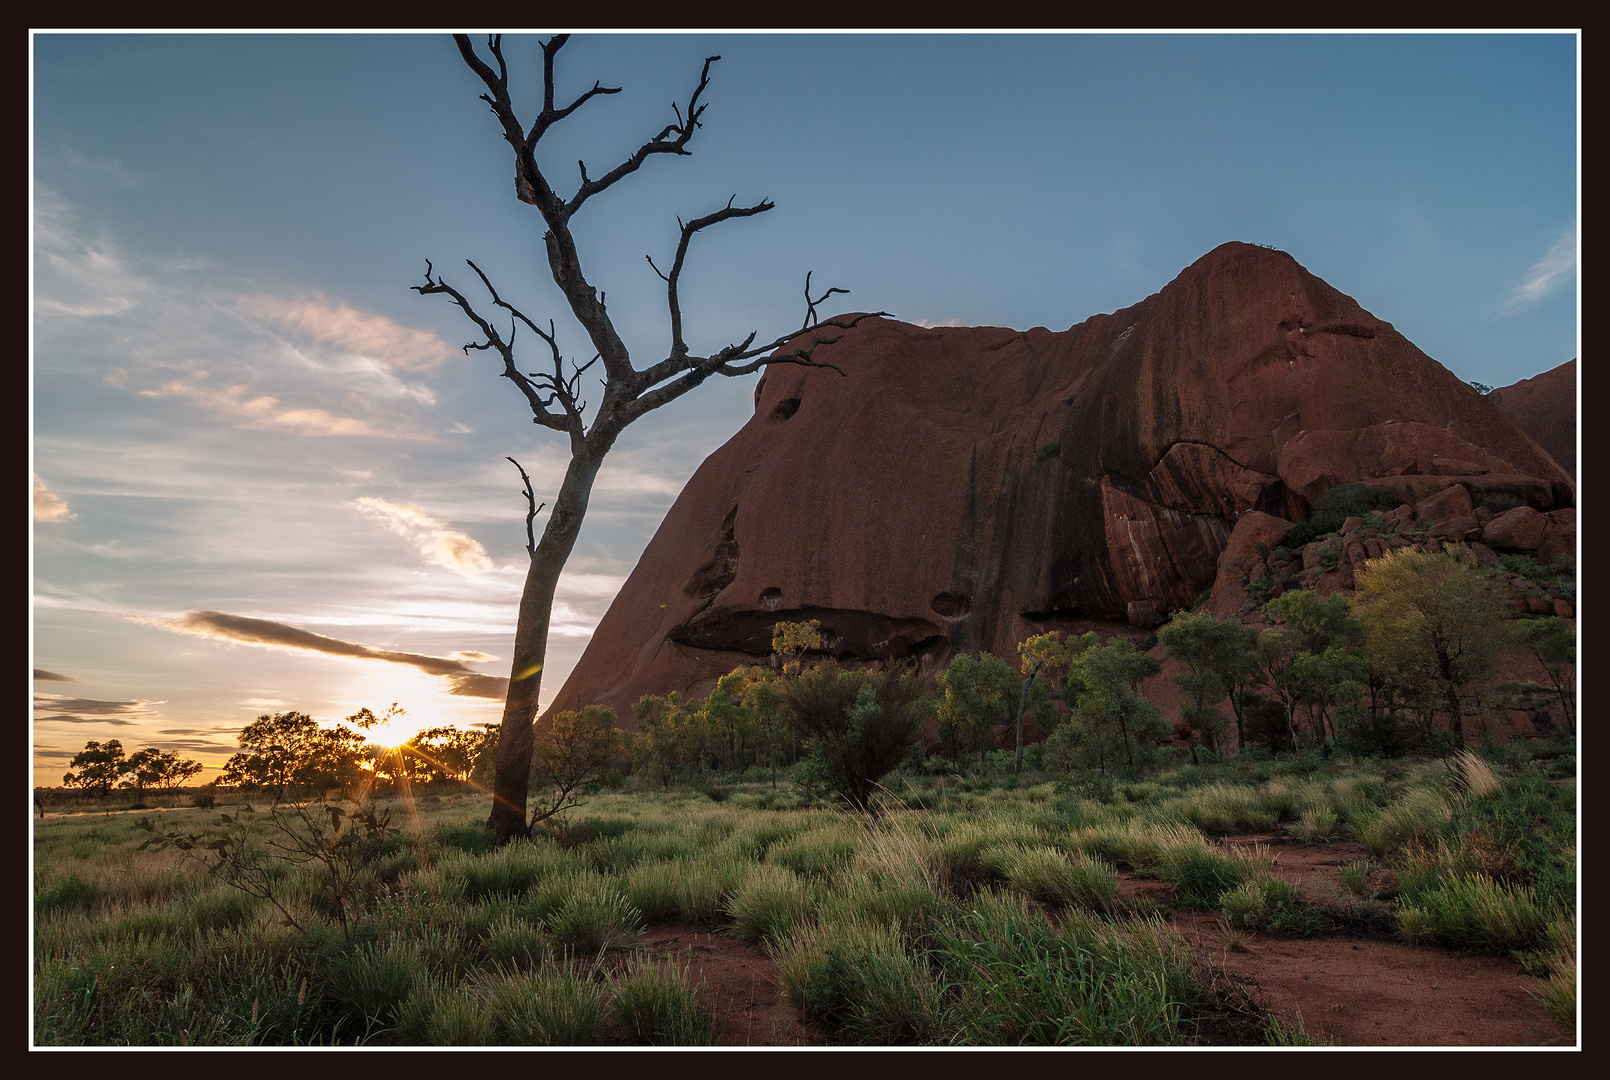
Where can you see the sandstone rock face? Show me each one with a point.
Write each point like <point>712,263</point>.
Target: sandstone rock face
<point>958,489</point>
<point>1544,407</point>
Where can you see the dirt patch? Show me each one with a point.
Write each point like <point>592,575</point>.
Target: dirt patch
<point>1363,992</point>
<point>739,979</point>
<point>1362,989</point>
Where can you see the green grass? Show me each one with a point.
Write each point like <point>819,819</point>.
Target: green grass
<point>991,916</point>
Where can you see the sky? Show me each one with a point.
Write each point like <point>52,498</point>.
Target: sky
<point>266,476</point>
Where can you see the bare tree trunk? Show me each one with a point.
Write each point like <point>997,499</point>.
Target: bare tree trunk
<point>511,780</point>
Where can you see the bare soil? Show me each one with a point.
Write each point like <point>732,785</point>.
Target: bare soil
<point>740,979</point>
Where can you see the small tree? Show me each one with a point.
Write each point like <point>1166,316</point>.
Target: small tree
<point>1216,654</point>
<point>667,734</point>
<point>1104,680</point>
<point>99,766</point>
<point>791,640</point>
<point>159,768</point>
<point>1553,642</point>
<point>1051,655</point>
<point>858,725</point>
<point>291,749</point>
<point>570,750</point>
<point>1436,622</point>
<point>1308,660</point>
<point>978,696</point>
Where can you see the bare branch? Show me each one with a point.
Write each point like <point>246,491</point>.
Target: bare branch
<point>662,143</point>
<point>811,317</point>
<point>744,359</point>
<point>531,512</point>
<point>570,422</point>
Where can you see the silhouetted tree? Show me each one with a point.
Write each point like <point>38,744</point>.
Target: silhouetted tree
<point>553,395</point>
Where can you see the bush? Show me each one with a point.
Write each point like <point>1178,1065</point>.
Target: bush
<point>597,919</point>
<point>1011,979</point>
<point>857,980</point>
<point>766,907</point>
<point>1475,912</point>
<point>560,1008</point>
<point>1051,877</point>
<point>658,1007</point>
<point>1348,500</point>
<point>859,725</point>
<point>1265,904</point>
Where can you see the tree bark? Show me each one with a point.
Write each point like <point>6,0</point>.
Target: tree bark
<point>511,779</point>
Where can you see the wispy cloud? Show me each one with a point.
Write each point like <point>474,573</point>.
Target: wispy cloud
<point>437,541</point>
<point>76,710</point>
<point>928,325</point>
<point>359,333</point>
<point>261,410</point>
<point>41,675</point>
<point>1548,275</point>
<point>279,362</point>
<point>221,626</point>
<point>49,507</point>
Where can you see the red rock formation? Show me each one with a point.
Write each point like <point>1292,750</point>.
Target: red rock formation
<point>1544,407</point>
<point>961,488</point>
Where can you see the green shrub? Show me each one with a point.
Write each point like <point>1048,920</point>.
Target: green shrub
<point>372,981</point>
<point>857,980</point>
<point>1420,817</point>
<point>601,918</point>
<point>1267,904</point>
<point>558,1008</point>
<point>1355,877</point>
<point>658,1007</point>
<point>1051,877</point>
<point>72,893</point>
<point>1474,912</point>
<point>1201,874</point>
<point>437,1016</point>
<point>1012,980</point>
<point>511,942</point>
<point>768,904</point>
<point>819,852</point>
<point>1318,824</point>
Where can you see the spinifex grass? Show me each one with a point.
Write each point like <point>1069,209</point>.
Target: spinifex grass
<point>920,926</point>
<point>1009,978</point>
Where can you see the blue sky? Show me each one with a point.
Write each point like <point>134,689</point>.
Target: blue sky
<point>240,407</point>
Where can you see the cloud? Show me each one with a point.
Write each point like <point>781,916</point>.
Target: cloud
<point>41,675</point>
<point>361,333</point>
<point>221,626</point>
<point>439,544</point>
<point>263,411</point>
<point>74,710</point>
<point>261,703</point>
<point>49,507</point>
<point>158,314</point>
<point>1548,275</point>
<point>927,325</point>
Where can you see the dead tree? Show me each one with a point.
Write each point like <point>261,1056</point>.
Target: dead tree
<point>553,394</point>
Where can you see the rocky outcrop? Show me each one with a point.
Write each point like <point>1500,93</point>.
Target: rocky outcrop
<point>1544,407</point>
<point>961,488</point>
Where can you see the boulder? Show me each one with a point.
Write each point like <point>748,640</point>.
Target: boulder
<point>959,488</point>
<point>1560,536</point>
<point>1520,529</point>
<point>1459,528</point>
<point>1449,503</point>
